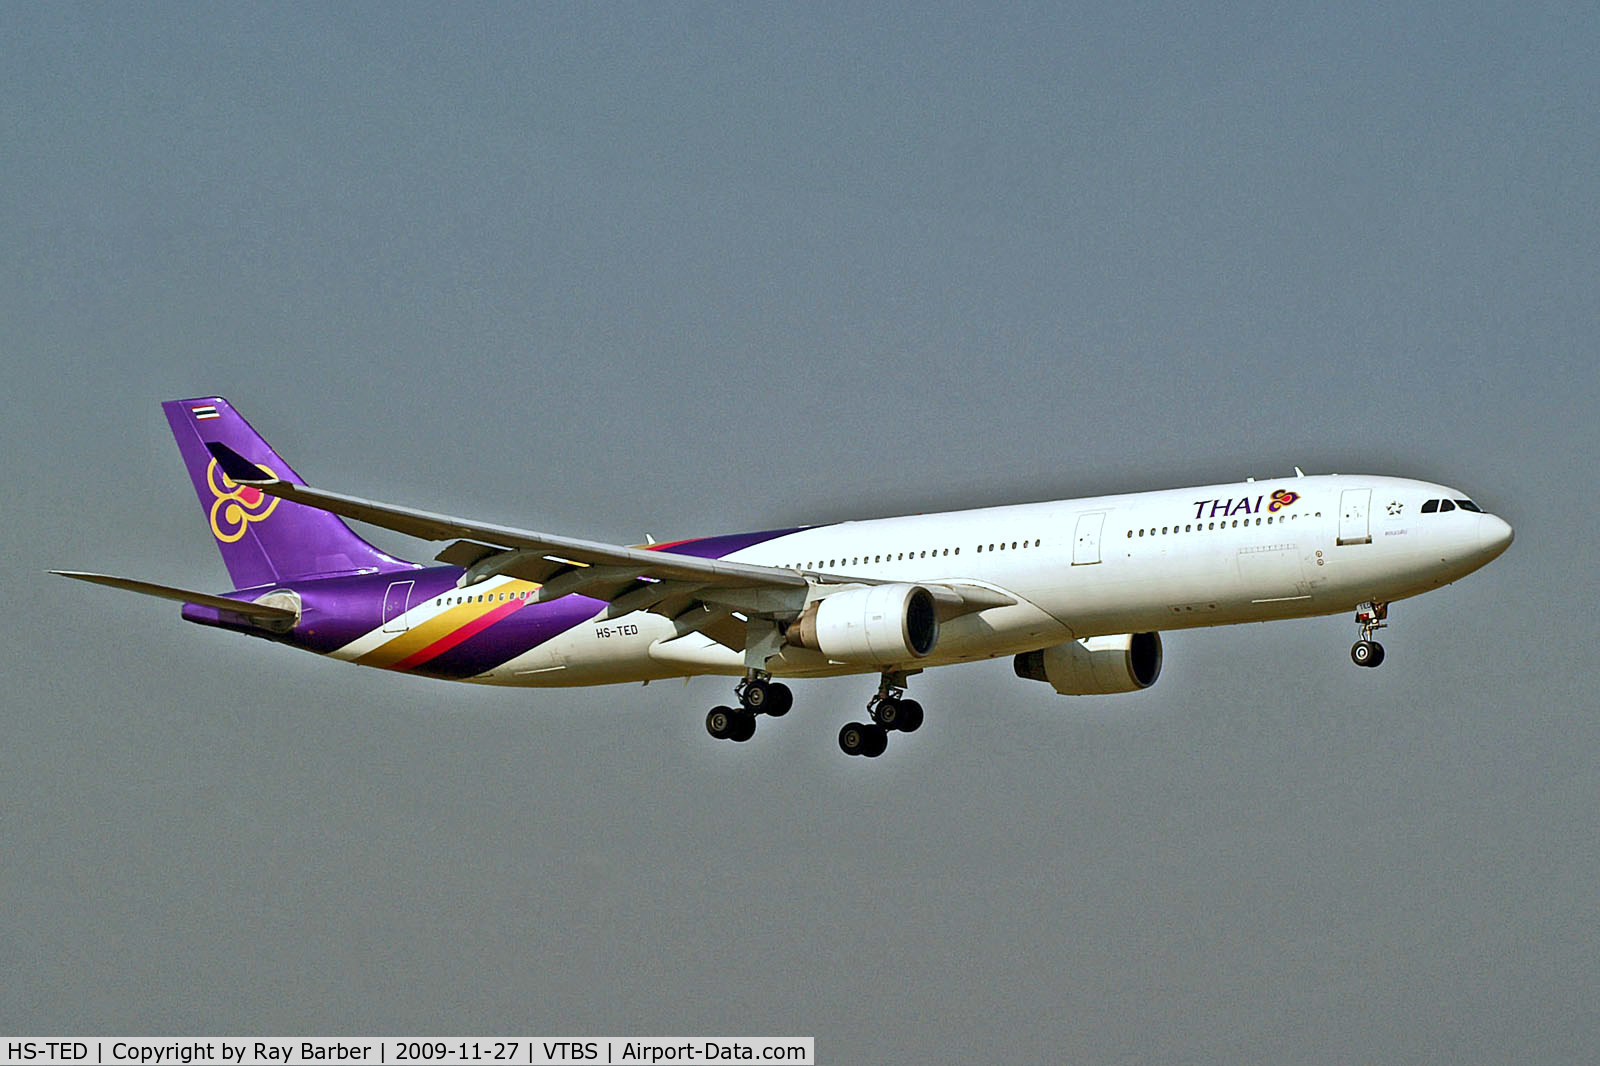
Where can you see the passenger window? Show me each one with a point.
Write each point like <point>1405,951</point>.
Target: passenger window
<point>1446,505</point>
<point>1468,505</point>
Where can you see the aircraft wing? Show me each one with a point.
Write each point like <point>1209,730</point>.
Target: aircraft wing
<point>522,553</point>
<point>699,593</point>
<point>258,611</point>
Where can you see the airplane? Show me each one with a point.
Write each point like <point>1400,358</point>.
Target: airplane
<point>1076,591</point>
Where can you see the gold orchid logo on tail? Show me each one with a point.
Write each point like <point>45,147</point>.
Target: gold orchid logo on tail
<point>236,505</point>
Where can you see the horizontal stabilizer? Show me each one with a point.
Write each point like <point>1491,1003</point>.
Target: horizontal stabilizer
<point>258,611</point>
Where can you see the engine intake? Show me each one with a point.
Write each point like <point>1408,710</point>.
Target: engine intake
<point>882,625</point>
<point>1096,666</point>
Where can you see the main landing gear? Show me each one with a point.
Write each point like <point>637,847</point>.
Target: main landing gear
<point>1370,616</point>
<point>889,710</point>
<point>758,694</point>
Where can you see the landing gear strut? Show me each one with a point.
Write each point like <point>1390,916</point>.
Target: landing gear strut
<point>889,710</point>
<point>1370,616</point>
<point>758,694</point>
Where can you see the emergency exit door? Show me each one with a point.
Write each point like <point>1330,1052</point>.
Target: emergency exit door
<point>395,604</point>
<point>1354,508</point>
<point>1086,541</point>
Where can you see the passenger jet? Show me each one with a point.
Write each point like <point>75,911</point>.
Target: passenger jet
<point>1075,590</point>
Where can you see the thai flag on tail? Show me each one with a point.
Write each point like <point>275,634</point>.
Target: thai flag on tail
<point>203,413</point>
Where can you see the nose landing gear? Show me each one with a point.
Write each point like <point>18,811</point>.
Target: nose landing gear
<point>1370,616</point>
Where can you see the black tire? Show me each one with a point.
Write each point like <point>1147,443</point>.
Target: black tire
<point>1377,655</point>
<point>886,712</point>
<point>719,722</point>
<point>1361,652</point>
<point>852,739</point>
<point>877,741</point>
<point>910,719</point>
<point>755,695</point>
<point>779,699</point>
<point>744,726</point>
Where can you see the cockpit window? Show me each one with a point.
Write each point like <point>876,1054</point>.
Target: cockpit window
<point>1446,505</point>
<point>1468,505</point>
<point>1430,507</point>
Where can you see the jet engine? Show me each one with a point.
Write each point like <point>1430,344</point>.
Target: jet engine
<point>1095,666</point>
<point>881,625</point>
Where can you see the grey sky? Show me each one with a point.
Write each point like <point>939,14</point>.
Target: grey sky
<point>690,269</point>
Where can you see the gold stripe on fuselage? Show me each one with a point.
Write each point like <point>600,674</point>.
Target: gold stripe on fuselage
<point>413,640</point>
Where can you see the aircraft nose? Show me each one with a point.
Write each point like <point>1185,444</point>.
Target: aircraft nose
<point>1494,535</point>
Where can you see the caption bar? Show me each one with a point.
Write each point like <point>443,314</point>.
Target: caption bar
<point>410,1051</point>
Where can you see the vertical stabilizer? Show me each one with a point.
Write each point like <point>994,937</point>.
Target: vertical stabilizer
<point>263,540</point>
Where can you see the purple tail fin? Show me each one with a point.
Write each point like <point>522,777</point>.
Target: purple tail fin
<point>263,540</point>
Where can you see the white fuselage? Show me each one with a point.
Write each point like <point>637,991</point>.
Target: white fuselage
<point>1171,559</point>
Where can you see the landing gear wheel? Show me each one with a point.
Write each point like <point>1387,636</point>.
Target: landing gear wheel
<point>875,740</point>
<point>779,699</point>
<point>755,695</point>
<point>856,739</point>
<point>886,712</point>
<point>719,723</point>
<point>743,726</point>
<point>1366,653</point>
<point>910,716</point>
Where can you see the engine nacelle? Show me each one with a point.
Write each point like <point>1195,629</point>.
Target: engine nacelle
<point>881,625</point>
<point>1096,666</point>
